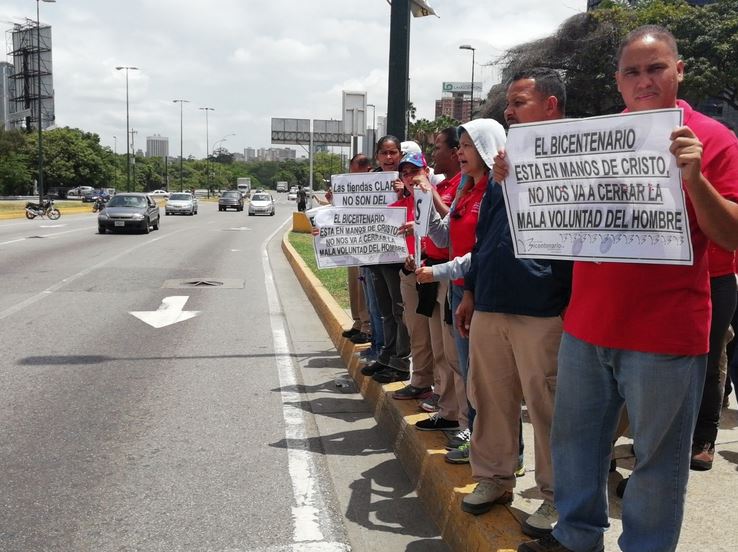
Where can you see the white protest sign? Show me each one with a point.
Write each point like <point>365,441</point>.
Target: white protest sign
<point>423,202</point>
<point>599,189</point>
<point>355,237</point>
<point>366,189</point>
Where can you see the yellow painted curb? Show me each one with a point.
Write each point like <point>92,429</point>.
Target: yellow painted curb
<point>64,211</point>
<point>440,485</point>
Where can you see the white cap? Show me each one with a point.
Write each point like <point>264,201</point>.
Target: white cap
<point>410,147</point>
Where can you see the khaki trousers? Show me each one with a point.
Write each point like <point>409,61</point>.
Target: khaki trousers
<point>435,361</point>
<point>512,357</point>
<point>357,301</point>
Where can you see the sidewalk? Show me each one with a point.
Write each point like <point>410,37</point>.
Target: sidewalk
<point>442,486</point>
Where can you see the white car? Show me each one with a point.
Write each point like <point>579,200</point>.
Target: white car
<point>262,203</point>
<point>159,193</point>
<point>292,195</point>
<point>181,203</point>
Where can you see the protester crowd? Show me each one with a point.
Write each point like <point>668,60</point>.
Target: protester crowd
<point>587,348</point>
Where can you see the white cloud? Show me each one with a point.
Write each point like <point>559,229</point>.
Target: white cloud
<point>252,60</point>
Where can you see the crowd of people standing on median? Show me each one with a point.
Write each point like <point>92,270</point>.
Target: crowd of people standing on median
<point>589,348</point>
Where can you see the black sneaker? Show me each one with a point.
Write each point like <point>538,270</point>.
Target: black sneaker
<point>360,338</point>
<point>389,374</point>
<point>545,544</point>
<point>348,334</point>
<point>412,392</point>
<point>436,423</point>
<point>373,368</point>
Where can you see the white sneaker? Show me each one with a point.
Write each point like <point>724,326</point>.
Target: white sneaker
<point>542,521</point>
<point>485,495</point>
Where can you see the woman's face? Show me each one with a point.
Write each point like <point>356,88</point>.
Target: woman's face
<point>470,161</point>
<point>389,155</point>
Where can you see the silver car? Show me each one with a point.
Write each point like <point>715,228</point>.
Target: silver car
<point>181,203</point>
<point>262,203</point>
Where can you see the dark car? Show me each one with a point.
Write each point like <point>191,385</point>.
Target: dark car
<point>129,212</point>
<point>92,196</point>
<point>230,200</point>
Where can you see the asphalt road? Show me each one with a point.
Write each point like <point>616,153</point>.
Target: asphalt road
<point>198,435</point>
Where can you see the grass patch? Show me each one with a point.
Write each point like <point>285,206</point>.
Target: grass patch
<point>335,280</point>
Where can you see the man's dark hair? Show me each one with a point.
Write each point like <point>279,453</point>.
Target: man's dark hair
<point>450,136</point>
<point>361,160</point>
<point>656,31</point>
<point>547,81</point>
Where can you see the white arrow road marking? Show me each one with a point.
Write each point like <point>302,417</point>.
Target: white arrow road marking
<point>169,312</point>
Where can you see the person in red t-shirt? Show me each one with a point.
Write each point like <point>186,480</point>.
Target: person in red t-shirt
<point>637,334</point>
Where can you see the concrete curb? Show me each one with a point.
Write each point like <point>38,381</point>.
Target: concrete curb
<point>441,486</point>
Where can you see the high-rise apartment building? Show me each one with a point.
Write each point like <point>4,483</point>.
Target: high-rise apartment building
<point>157,146</point>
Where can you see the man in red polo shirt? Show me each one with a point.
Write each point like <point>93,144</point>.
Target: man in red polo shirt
<point>637,334</point>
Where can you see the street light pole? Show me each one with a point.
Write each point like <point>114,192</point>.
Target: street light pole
<point>180,102</point>
<point>128,126</point>
<point>471,95</point>
<point>374,127</point>
<point>115,161</point>
<point>40,178</point>
<point>207,146</point>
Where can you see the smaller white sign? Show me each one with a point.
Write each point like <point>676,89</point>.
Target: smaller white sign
<point>423,202</point>
<point>365,190</point>
<point>356,237</point>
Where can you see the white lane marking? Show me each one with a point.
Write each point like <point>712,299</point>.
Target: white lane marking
<point>61,283</point>
<point>169,312</point>
<point>52,226</point>
<point>307,531</point>
<point>50,235</point>
<point>13,241</point>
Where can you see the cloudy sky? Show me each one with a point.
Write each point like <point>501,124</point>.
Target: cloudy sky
<point>252,60</point>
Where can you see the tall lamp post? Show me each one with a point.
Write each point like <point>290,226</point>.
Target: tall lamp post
<point>40,178</point>
<point>471,95</point>
<point>128,132</point>
<point>115,163</point>
<point>374,127</point>
<point>220,141</point>
<point>180,102</point>
<point>207,146</point>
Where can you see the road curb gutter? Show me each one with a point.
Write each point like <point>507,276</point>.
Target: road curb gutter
<point>441,486</point>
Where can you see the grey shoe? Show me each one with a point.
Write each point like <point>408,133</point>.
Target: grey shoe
<point>460,438</point>
<point>485,495</point>
<point>542,521</point>
<point>431,404</point>
<point>459,455</point>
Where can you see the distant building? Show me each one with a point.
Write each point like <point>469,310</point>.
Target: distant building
<point>274,154</point>
<point>249,154</point>
<point>157,146</point>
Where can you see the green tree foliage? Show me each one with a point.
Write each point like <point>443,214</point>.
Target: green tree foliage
<point>424,131</point>
<point>73,157</point>
<point>583,50</point>
<point>16,174</point>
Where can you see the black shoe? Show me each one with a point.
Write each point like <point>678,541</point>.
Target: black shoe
<point>373,368</point>
<point>360,338</point>
<point>436,423</point>
<point>348,334</point>
<point>545,544</point>
<point>389,374</point>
